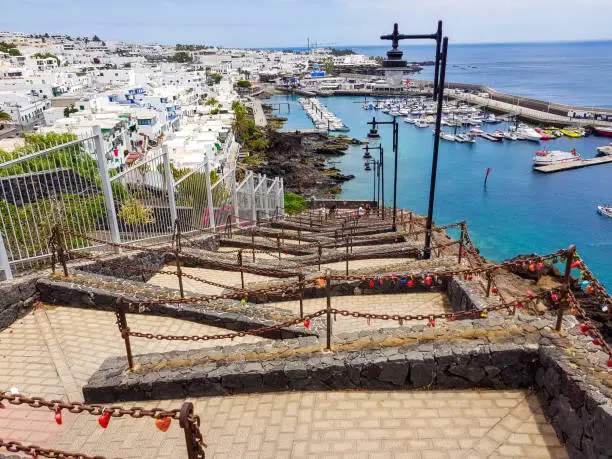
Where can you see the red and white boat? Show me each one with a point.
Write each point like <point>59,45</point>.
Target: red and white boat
<point>548,158</point>
<point>601,130</point>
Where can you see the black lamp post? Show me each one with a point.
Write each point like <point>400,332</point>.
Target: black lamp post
<point>394,61</point>
<point>374,123</point>
<point>379,173</point>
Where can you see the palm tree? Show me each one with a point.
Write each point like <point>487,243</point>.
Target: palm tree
<point>4,116</point>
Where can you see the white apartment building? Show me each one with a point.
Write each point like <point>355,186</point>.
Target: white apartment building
<point>25,109</point>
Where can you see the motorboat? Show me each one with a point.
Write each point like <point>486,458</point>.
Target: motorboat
<point>510,136</point>
<point>605,150</point>
<point>547,158</point>
<point>602,130</point>
<point>465,138</point>
<point>477,131</point>
<point>421,124</point>
<point>445,135</point>
<point>606,211</point>
<point>497,134</point>
<point>527,133</point>
<point>491,137</point>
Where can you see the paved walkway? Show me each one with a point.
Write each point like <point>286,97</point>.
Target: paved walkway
<point>52,353</point>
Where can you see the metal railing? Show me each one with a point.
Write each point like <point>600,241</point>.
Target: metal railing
<point>67,183</point>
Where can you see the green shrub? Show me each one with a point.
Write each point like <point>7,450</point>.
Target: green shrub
<point>295,203</point>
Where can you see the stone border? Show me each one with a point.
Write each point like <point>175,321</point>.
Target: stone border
<point>17,298</point>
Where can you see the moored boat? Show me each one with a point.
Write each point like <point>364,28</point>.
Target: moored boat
<point>547,158</point>
<point>571,133</point>
<point>490,137</point>
<point>602,130</point>
<point>605,150</point>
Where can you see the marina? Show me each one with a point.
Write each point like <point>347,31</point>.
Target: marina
<point>322,118</point>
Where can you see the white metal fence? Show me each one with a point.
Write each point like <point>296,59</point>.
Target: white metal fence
<point>68,183</point>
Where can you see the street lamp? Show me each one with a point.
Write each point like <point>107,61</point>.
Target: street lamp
<point>379,174</point>
<point>394,61</point>
<point>374,123</point>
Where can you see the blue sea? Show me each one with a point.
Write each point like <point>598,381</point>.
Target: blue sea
<point>519,211</point>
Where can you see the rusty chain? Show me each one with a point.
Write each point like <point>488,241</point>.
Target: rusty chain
<point>37,451</point>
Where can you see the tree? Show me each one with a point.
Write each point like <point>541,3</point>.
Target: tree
<point>4,116</point>
<point>182,57</point>
<point>295,203</point>
<point>216,78</point>
<point>96,38</point>
<point>243,83</point>
<point>69,110</point>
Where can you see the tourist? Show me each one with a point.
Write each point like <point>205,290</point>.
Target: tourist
<point>360,212</point>
<point>332,210</point>
<point>323,212</point>
<point>367,209</point>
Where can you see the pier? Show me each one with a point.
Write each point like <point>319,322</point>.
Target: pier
<point>574,164</point>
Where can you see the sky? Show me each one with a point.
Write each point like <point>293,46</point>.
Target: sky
<point>271,23</point>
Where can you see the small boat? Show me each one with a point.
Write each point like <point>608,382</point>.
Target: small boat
<point>497,134</point>
<point>605,150</point>
<point>603,131</point>
<point>606,211</point>
<point>421,124</point>
<point>490,137</point>
<point>477,131</point>
<point>527,133</point>
<point>547,158</point>
<point>446,136</point>
<point>465,138</point>
<point>510,136</point>
<point>571,133</point>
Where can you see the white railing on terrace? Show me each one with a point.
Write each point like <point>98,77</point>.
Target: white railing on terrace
<point>69,184</point>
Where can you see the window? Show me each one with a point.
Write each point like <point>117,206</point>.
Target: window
<point>81,107</point>
<point>144,122</point>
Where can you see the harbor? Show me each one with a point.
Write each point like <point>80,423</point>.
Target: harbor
<point>322,118</point>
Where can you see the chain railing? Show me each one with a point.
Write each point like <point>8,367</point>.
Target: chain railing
<point>188,421</point>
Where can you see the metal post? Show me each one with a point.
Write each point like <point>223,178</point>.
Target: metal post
<point>299,235</point>
<point>125,332</point>
<point>253,243</point>
<point>461,239</point>
<point>107,191</point>
<point>169,183</point>
<point>61,254</point>
<point>383,181</point>
<point>241,270</point>
<point>437,63</point>
<point>347,255</point>
<point>301,282</point>
<point>185,424</point>
<point>395,147</point>
<point>209,196</point>
<point>434,164</point>
<point>489,281</point>
<point>177,257</point>
<point>278,245</point>
<point>328,309</point>
<point>320,252</point>
<point>5,266</point>
<point>569,254</point>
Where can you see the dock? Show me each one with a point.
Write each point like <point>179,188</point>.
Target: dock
<point>573,165</point>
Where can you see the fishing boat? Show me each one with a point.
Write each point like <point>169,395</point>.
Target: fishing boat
<point>571,133</point>
<point>602,130</point>
<point>606,211</point>
<point>547,158</point>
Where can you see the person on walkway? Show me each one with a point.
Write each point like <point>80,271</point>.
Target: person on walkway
<point>360,212</point>
<point>367,209</point>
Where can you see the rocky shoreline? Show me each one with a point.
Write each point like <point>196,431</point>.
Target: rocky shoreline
<point>300,159</point>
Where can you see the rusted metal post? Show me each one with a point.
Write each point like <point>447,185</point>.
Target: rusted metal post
<point>253,243</point>
<point>240,263</point>
<point>177,257</point>
<point>569,254</point>
<point>489,280</point>
<point>301,282</point>
<point>61,254</point>
<point>328,309</point>
<point>461,239</point>
<point>125,331</point>
<point>299,235</point>
<point>186,423</point>
<point>347,255</point>
<point>320,252</point>
<point>411,224</point>
<point>278,245</point>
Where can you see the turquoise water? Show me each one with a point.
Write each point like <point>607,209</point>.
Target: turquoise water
<point>519,211</point>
